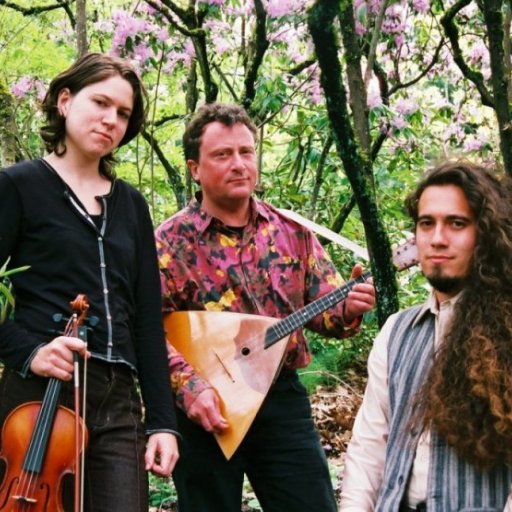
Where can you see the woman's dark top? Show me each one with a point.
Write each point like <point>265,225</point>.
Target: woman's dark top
<point>113,261</point>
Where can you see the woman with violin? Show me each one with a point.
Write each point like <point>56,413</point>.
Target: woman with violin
<point>83,231</point>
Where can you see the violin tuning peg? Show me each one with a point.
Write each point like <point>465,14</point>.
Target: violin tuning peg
<point>58,317</point>
<point>93,321</point>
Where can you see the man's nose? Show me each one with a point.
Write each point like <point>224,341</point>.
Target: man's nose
<point>439,235</point>
<point>237,161</point>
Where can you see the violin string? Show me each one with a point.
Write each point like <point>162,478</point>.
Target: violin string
<point>28,477</point>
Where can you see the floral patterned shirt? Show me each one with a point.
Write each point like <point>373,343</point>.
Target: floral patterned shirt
<point>272,267</point>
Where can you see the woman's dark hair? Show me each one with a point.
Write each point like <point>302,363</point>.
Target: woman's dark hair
<point>90,69</point>
<point>226,114</point>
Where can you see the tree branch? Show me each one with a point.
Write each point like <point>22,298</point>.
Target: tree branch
<point>258,46</point>
<point>358,99</point>
<point>172,173</point>
<point>29,11</point>
<point>35,10</point>
<point>423,73</point>
<point>452,33</point>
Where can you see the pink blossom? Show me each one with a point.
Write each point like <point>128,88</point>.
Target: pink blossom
<point>190,52</point>
<point>454,131</point>
<point>360,29</point>
<point>473,144</point>
<point>212,2</point>
<point>127,26</point>
<point>373,98</point>
<point>399,122</point>
<point>277,8</point>
<point>405,107</point>
<point>399,40</point>
<point>162,35</point>
<point>146,8</point>
<point>374,6</point>
<point>22,87</point>
<point>41,89</point>
<point>221,45</point>
<point>421,6</point>
<point>244,9</point>
<point>104,26</point>
<point>478,54</point>
<point>315,92</point>
<point>142,53</point>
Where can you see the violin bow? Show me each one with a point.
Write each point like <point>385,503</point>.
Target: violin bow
<point>79,304</point>
<point>82,447</point>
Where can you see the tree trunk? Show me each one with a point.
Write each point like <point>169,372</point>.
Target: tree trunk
<point>357,165</point>
<point>492,10</point>
<point>81,27</point>
<point>9,150</point>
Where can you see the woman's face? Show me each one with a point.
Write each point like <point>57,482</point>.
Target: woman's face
<point>96,117</point>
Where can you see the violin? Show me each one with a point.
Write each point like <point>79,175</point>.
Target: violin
<point>42,443</point>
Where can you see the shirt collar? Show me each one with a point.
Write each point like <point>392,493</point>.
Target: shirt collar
<point>202,219</point>
<point>431,306</point>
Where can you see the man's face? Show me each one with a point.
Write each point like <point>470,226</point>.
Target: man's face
<point>446,237</point>
<point>227,169</point>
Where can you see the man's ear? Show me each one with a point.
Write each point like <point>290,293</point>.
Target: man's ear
<point>63,100</point>
<point>193,168</point>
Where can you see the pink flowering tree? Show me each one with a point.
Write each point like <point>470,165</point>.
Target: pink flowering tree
<point>390,69</point>
<point>347,122</point>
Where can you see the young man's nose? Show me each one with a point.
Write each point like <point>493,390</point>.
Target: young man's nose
<point>439,235</point>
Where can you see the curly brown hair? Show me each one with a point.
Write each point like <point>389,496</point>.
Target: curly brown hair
<point>467,397</point>
<point>90,69</point>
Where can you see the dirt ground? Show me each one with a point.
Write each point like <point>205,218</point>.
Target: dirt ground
<point>334,411</point>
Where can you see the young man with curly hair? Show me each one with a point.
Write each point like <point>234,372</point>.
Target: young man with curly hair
<point>434,431</point>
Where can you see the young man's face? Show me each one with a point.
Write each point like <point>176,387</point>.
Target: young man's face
<point>446,237</point>
<point>227,168</point>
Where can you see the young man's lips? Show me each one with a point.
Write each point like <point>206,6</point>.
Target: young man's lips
<point>438,259</point>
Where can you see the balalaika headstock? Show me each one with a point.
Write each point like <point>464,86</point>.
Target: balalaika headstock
<point>406,255</point>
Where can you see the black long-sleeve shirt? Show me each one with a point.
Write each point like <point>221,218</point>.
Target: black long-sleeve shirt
<point>112,261</point>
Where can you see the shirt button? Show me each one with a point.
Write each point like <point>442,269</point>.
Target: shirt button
<point>105,291</point>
